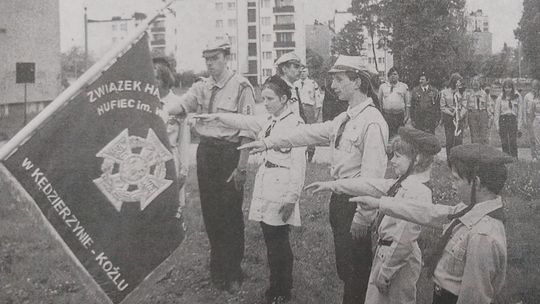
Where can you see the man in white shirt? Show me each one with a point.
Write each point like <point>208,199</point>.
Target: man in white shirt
<point>394,100</point>
<point>308,93</point>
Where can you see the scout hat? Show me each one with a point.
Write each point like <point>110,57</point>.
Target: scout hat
<point>346,63</point>
<point>289,57</point>
<point>423,141</point>
<point>479,155</point>
<point>215,47</point>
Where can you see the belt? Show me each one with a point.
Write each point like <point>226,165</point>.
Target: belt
<point>443,294</point>
<point>269,164</point>
<point>381,242</point>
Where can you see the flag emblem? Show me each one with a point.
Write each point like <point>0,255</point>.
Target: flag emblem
<point>133,169</point>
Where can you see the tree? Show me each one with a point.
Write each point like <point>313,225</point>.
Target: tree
<point>350,39</point>
<point>315,64</point>
<point>74,63</point>
<point>528,34</point>
<point>427,36</point>
<point>367,12</point>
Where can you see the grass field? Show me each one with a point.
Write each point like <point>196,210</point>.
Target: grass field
<point>34,269</point>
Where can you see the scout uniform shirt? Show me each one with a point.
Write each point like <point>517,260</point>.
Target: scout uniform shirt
<point>398,259</point>
<point>513,106</point>
<point>232,94</point>
<point>394,97</point>
<point>425,101</point>
<point>280,178</point>
<point>473,263</point>
<point>308,91</point>
<point>361,150</point>
<point>478,100</point>
<point>448,96</point>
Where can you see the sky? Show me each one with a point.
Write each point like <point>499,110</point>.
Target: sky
<point>504,15</point>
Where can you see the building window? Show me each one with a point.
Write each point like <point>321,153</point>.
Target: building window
<point>219,23</point>
<point>285,19</point>
<point>381,59</point>
<point>231,22</point>
<point>232,39</point>
<point>114,27</point>
<point>267,55</point>
<point>252,32</point>
<point>266,3</point>
<point>284,37</point>
<point>280,3</point>
<point>219,6</point>
<point>252,4</point>
<point>159,23</point>
<point>123,27</point>
<point>252,67</point>
<point>266,37</point>
<point>252,15</point>
<point>252,49</point>
<point>266,21</point>
<point>159,37</point>
<point>231,6</point>
<point>370,60</point>
<point>280,53</point>
<point>219,38</point>
<point>267,72</point>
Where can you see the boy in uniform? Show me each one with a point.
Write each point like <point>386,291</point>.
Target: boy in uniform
<point>469,264</point>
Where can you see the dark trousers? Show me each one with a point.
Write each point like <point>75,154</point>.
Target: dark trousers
<point>449,129</point>
<point>280,259</point>
<point>394,121</point>
<point>508,133</point>
<point>441,296</point>
<point>309,112</point>
<point>426,122</point>
<point>221,206</point>
<point>353,257</point>
<point>478,125</point>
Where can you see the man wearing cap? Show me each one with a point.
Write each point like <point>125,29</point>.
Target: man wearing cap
<point>425,106</point>
<point>469,262</point>
<point>394,99</point>
<point>308,92</point>
<point>289,67</point>
<point>358,138</point>
<point>221,168</point>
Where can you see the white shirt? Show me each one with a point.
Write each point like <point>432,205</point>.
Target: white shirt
<point>308,91</point>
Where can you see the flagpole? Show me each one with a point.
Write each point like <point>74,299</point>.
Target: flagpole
<point>73,89</point>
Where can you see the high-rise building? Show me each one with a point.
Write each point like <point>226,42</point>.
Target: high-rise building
<point>29,33</point>
<point>478,27</point>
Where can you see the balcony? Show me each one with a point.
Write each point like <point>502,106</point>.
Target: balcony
<point>284,9</point>
<point>157,29</point>
<point>158,42</point>
<point>284,44</point>
<point>287,26</point>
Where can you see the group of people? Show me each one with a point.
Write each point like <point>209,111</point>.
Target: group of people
<point>457,108</point>
<point>470,261</point>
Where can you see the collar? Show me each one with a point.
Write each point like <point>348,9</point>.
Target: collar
<point>288,83</point>
<point>221,83</point>
<point>480,210</point>
<point>353,112</point>
<point>424,88</point>
<point>282,116</point>
<point>421,177</point>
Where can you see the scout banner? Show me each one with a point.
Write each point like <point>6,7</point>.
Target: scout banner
<point>100,170</point>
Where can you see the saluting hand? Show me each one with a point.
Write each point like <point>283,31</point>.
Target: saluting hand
<point>319,187</point>
<point>366,202</point>
<point>254,147</point>
<point>239,178</point>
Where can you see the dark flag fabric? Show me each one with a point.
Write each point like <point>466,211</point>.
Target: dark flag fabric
<point>101,172</point>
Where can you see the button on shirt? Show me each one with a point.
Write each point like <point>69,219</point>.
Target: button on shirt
<point>283,182</point>
<point>308,91</point>
<point>394,97</point>
<point>233,94</point>
<point>473,264</point>
<point>361,150</point>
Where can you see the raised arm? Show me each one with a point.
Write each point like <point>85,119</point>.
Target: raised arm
<point>416,211</point>
<point>303,135</point>
<point>375,187</point>
<point>187,103</point>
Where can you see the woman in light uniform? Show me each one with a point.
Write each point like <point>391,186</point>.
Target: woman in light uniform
<point>278,183</point>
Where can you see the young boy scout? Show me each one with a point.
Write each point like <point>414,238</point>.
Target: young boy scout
<point>221,168</point>
<point>469,264</point>
<point>358,140</point>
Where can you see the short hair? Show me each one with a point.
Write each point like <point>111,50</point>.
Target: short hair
<point>392,70</point>
<point>491,177</point>
<point>424,74</point>
<point>401,146</point>
<point>287,64</point>
<point>366,86</point>
<point>278,85</point>
<point>453,80</point>
<point>165,74</point>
